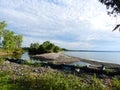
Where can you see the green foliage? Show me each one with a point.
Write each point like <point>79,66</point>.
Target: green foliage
<point>97,84</point>
<point>34,45</point>
<point>17,51</point>
<point>64,49</point>
<point>1,61</point>
<point>2,28</point>
<point>109,70</point>
<point>46,47</point>
<point>8,40</point>
<point>116,83</point>
<point>34,48</point>
<point>17,41</point>
<point>36,64</point>
<point>11,41</point>
<point>53,81</point>
<point>57,49</point>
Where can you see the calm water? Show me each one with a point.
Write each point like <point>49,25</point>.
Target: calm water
<point>25,56</point>
<point>111,57</point>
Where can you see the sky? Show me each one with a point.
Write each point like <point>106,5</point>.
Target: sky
<point>71,24</point>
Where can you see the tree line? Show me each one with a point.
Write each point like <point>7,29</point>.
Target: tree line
<point>46,47</point>
<point>8,39</point>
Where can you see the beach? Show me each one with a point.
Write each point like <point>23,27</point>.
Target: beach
<point>65,59</point>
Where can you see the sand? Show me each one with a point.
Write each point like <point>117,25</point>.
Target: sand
<point>3,53</point>
<point>63,59</point>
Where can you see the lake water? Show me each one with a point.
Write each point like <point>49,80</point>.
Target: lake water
<point>111,57</point>
<point>26,56</point>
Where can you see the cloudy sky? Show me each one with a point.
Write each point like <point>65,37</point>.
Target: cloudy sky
<point>71,24</point>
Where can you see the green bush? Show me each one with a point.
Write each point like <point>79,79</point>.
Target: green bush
<point>116,83</point>
<point>17,51</point>
<point>46,47</point>
<point>54,81</point>
<point>97,84</point>
<point>1,60</point>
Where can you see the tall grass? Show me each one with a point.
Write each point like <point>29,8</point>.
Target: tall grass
<point>53,81</point>
<point>49,81</point>
<point>116,84</point>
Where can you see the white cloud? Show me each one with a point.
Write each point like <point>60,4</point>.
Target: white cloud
<point>69,23</point>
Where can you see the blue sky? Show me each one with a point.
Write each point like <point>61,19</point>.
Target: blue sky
<point>71,24</point>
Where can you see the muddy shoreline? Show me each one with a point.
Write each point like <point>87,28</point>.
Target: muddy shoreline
<point>65,59</point>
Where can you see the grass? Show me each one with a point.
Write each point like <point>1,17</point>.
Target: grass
<point>1,61</point>
<point>49,81</point>
<point>11,52</point>
<point>116,83</point>
<point>53,81</point>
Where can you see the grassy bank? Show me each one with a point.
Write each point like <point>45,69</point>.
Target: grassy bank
<point>53,81</point>
<point>31,78</point>
<point>4,52</point>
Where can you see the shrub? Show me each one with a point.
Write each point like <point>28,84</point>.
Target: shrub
<point>1,60</point>
<point>116,83</point>
<point>46,47</point>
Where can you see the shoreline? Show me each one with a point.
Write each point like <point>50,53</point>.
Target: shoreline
<point>61,58</point>
<point>4,53</point>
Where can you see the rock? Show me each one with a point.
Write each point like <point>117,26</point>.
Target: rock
<point>7,62</point>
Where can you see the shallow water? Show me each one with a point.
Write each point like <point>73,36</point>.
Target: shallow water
<point>111,57</point>
<point>26,56</point>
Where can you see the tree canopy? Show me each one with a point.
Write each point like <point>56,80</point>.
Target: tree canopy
<point>2,28</point>
<point>46,47</point>
<point>114,7</point>
<point>8,39</point>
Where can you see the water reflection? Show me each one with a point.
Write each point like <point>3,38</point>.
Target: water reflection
<point>80,63</point>
<point>25,56</point>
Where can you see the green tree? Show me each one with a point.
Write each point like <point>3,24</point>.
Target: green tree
<point>18,41</point>
<point>8,39</point>
<point>46,47</point>
<point>114,7</point>
<point>2,29</point>
<point>8,42</point>
<point>57,49</point>
<point>47,43</point>
<point>34,45</point>
<point>34,48</point>
<point>50,48</point>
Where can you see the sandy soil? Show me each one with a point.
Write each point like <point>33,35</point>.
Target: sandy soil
<point>56,57</point>
<point>62,58</point>
<point>3,53</point>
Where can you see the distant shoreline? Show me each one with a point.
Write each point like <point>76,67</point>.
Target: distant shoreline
<point>61,58</point>
<point>90,51</point>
